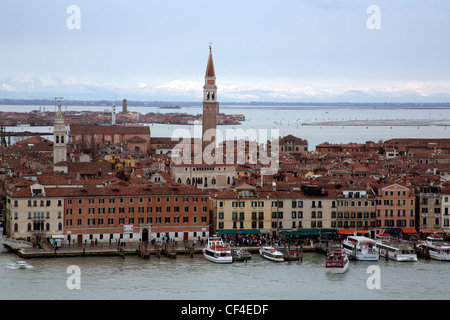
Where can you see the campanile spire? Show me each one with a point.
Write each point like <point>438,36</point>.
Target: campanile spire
<point>210,104</point>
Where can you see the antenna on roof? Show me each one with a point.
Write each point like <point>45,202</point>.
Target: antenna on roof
<point>56,98</point>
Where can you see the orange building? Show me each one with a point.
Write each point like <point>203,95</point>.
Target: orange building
<point>135,212</point>
<point>396,208</point>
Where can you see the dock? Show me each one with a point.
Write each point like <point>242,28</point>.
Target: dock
<point>144,250</point>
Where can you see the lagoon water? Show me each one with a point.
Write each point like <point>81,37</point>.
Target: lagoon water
<point>186,278</point>
<point>289,120</point>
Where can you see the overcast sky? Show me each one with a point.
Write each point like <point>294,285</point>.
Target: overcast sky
<point>286,50</point>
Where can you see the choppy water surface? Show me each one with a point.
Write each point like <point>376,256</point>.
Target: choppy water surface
<point>186,278</point>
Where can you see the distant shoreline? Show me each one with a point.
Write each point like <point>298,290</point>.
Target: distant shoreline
<point>225,104</point>
<point>380,123</point>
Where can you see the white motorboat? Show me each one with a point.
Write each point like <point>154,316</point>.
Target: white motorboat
<point>216,251</point>
<point>22,265</point>
<point>337,261</point>
<point>361,248</point>
<point>436,247</point>
<point>242,255</point>
<point>271,254</point>
<point>394,249</point>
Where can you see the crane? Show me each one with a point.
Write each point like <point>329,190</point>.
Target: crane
<point>55,98</point>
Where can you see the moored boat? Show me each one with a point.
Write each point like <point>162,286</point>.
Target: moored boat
<point>216,251</point>
<point>291,255</point>
<point>360,248</point>
<point>242,255</point>
<point>337,261</point>
<point>436,247</point>
<point>395,250</point>
<point>271,254</point>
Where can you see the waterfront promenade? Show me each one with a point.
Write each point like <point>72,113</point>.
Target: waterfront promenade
<point>129,248</point>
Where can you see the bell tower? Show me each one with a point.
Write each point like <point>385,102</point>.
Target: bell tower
<point>59,134</point>
<point>210,104</point>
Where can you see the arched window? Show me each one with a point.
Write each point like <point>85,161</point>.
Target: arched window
<point>60,226</point>
<point>47,227</point>
<point>57,139</point>
<point>29,227</point>
<point>16,227</point>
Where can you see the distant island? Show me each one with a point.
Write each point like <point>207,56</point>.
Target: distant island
<point>46,118</point>
<point>181,104</point>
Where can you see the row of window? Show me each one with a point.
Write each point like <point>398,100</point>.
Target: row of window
<point>279,204</point>
<point>131,200</point>
<point>42,203</point>
<point>400,213</point>
<point>37,227</point>
<point>158,220</point>
<point>391,193</point>
<point>139,210</point>
<point>299,224</point>
<point>38,215</point>
<point>400,202</point>
<point>299,214</point>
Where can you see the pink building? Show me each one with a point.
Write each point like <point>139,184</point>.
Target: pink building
<point>396,208</point>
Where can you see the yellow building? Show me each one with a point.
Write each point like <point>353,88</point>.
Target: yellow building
<point>33,212</point>
<point>240,210</point>
<point>242,172</point>
<point>247,209</point>
<point>120,161</point>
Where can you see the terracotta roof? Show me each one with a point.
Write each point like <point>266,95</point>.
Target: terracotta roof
<point>88,167</point>
<point>80,129</point>
<point>136,139</point>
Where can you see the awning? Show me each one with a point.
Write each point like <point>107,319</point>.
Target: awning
<point>431,231</point>
<point>392,230</point>
<point>249,231</point>
<point>328,231</point>
<point>301,232</point>
<point>352,231</point>
<point>409,230</point>
<point>227,231</point>
<point>238,231</point>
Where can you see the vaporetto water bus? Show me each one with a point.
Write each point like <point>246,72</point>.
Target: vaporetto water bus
<point>437,248</point>
<point>271,254</point>
<point>216,251</point>
<point>397,250</point>
<point>361,248</point>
